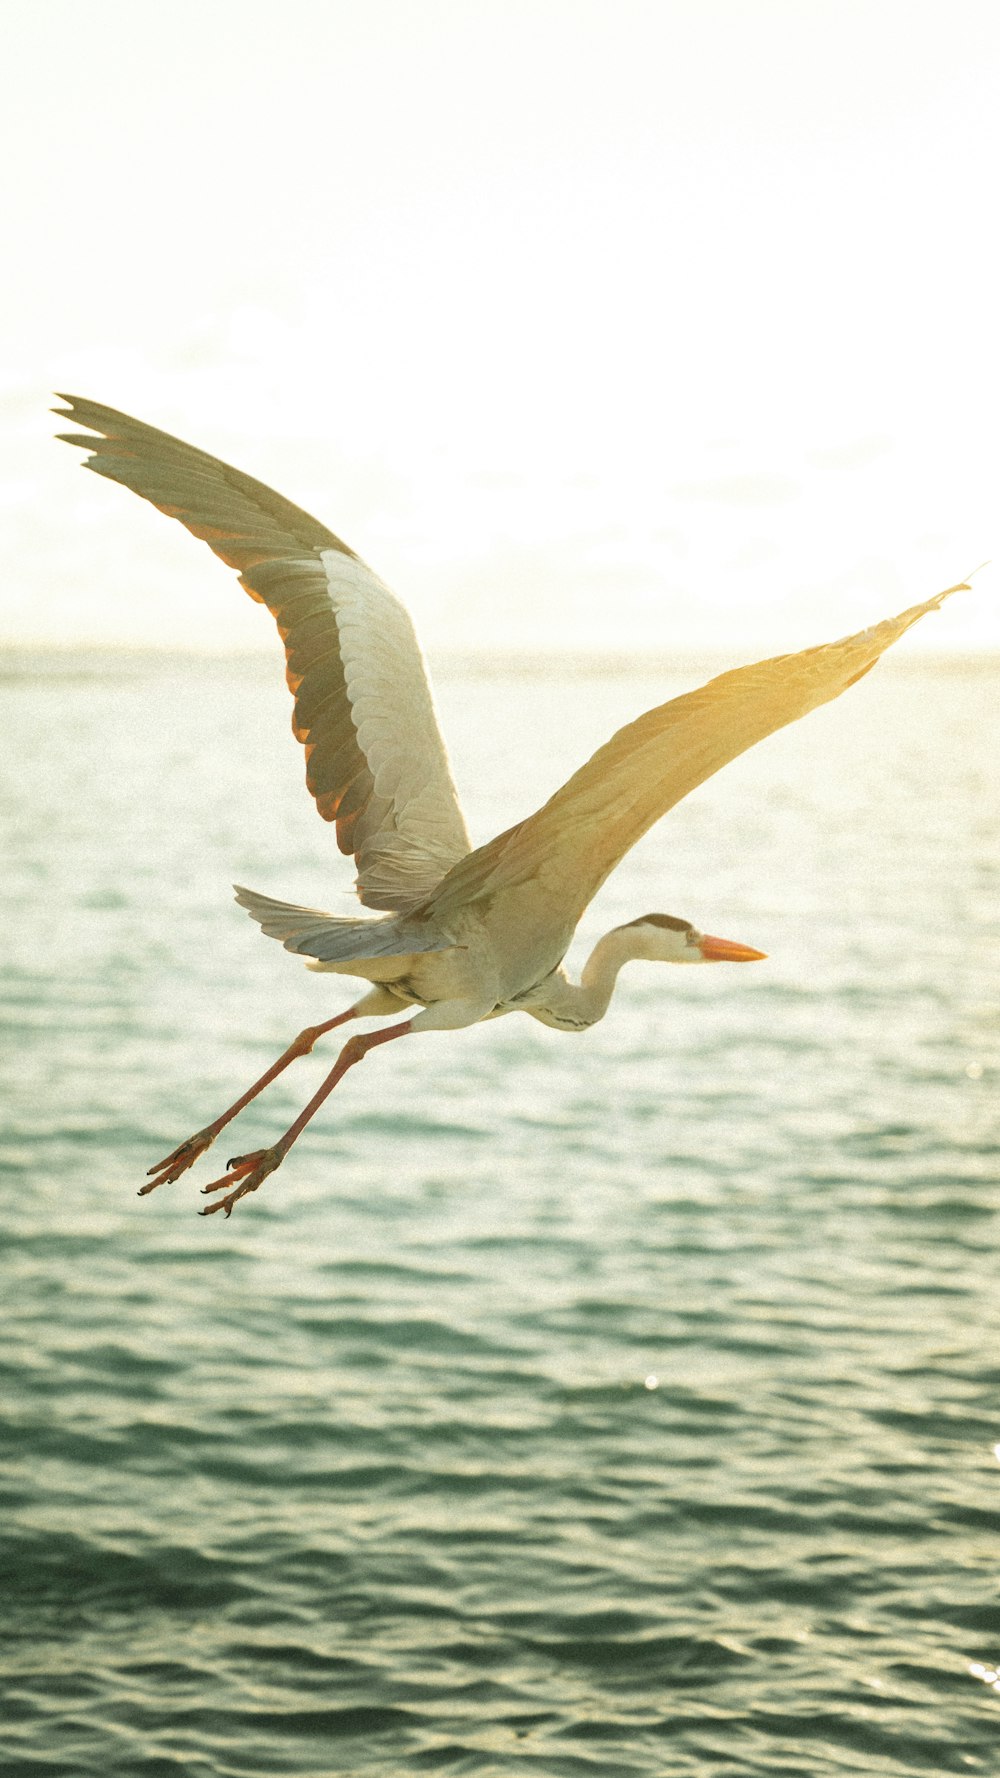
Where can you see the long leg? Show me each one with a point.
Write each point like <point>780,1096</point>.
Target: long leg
<point>186,1153</point>
<point>252,1169</point>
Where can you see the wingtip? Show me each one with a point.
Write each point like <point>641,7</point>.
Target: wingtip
<point>934,603</point>
<point>88,441</point>
<point>960,586</point>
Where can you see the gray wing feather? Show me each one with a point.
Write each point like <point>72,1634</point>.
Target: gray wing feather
<point>375,761</point>
<point>310,932</point>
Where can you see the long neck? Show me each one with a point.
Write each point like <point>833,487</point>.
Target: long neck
<point>623,944</point>
<point>576,1005</point>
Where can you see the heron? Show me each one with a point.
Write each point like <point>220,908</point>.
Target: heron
<point>458,932</point>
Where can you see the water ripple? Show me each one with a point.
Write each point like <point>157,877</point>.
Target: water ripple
<point>616,1406</point>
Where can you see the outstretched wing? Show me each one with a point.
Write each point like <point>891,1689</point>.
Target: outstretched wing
<point>375,760</point>
<point>575,840</point>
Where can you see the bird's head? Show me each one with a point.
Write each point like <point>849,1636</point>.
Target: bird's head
<point>662,938</point>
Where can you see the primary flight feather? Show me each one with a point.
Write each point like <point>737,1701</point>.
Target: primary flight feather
<point>462,934</point>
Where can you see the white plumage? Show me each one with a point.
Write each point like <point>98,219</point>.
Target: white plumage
<point>407,849</point>
<point>462,934</point>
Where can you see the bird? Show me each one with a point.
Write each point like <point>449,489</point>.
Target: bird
<point>454,934</point>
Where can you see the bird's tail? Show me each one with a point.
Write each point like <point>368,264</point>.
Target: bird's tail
<point>332,939</point>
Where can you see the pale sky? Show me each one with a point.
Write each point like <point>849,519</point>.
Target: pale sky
<point>615,324</point>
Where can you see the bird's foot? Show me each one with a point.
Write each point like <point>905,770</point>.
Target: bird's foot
<point>183,1157</point>
<point>251,1170</point>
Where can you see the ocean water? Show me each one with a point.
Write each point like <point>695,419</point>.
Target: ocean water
<point>586,1405</point>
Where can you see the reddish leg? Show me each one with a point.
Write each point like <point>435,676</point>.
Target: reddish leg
<point>252,1169</point>
<point>187,1153</point>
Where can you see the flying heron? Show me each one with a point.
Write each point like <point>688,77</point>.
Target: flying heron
<point>461,933</point>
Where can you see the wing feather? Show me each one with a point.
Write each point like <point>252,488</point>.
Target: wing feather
<point>331,939</point>
<point>375,761</point>
<point>571,844</point>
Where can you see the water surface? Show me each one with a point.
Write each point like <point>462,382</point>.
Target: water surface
<point>614,1404</point>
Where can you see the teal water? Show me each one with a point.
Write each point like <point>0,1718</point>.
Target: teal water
<point>617,1404</point>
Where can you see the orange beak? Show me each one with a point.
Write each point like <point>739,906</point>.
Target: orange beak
<point>723,950</point>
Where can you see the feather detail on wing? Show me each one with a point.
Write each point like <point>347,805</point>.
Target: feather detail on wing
<point>574,841</point>
<point>375,761</point>
<point>309,932</point>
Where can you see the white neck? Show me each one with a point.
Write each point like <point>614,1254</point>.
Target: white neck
<point>574,1006</point>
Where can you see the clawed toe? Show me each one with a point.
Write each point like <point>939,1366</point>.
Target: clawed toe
<point>183,1157</point>
<point>250,1169</point>
<point>246,1172</point>
<point>240,1165</point>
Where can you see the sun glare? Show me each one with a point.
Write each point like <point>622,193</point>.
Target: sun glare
<point>659,336</point>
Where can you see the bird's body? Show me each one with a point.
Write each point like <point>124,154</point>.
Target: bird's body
<point>459,933</point>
